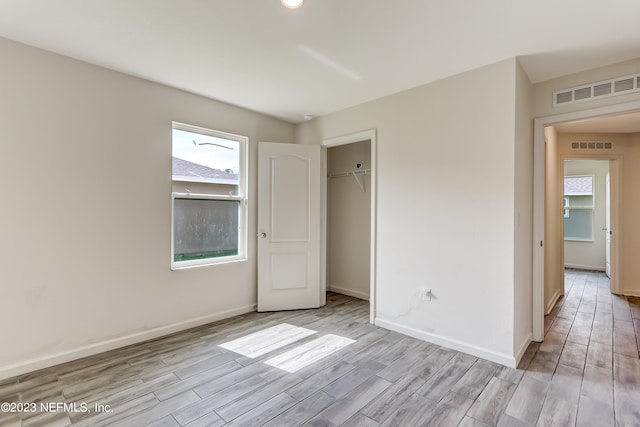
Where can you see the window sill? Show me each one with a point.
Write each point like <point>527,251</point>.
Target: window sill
<point>206,263</point>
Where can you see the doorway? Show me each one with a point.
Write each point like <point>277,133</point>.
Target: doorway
<point>586,215</point>
<point>586,210</point>
<point>349,219</point>
<point>542,241</point>
<point>576,206</point>
<point>349,224</point>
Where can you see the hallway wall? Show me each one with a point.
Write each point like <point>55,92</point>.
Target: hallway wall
<point>553,254</point>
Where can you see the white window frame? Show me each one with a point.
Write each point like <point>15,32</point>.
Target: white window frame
<point>566,211</point>
<point>241,197</point>
<point>592,208</point>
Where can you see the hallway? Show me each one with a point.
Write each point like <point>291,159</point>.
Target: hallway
<point>590,354</point>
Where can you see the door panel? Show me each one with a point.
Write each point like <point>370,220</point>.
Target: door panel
<point>289,271</point>
<point>288,226</point>
<point>290,215</point>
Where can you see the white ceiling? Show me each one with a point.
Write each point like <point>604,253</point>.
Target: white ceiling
<point>329,54</point>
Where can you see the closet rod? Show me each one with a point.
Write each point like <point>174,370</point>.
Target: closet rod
<point>350,173</point>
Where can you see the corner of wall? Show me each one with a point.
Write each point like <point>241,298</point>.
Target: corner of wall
<point>523,211</point>
<point>493,356</point>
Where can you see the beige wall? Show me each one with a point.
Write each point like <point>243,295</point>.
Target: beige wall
<point>445,206</point>
<point>588,255</point>
<point>553,232</point>
<point>85,224</point>
<point>349,221</point>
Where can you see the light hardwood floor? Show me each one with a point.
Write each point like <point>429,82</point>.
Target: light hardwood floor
<point>587,372</point>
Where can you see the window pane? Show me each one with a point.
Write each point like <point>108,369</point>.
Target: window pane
<point>201,158</point>
<point>205,228</point>
<point>579,189</point>
<point>580,201</point>
<point>579,224</point>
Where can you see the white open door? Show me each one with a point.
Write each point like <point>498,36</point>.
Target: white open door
<point>288,226</point>
<point>608,226</point>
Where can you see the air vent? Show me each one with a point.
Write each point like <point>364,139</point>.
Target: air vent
<point>591,145</point>
<point>564,97</point>
<point>623,85</point>
<point>618,86</point>
<point>602,89</point>
<point>583,93</point>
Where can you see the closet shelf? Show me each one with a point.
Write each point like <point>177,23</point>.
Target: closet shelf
<point>350,173</point>
<point>354,174</point>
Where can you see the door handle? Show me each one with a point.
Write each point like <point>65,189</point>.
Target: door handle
<point>262,235</point>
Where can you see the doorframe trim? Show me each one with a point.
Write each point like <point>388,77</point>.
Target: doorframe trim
<point>366,135</point>
<point>538,197</point>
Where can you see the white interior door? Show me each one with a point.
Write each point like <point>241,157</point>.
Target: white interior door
<point>608,226</point>
<point>288,226</point>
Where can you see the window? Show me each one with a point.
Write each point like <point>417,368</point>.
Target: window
<point>578,207</point>
<point>209,219</point>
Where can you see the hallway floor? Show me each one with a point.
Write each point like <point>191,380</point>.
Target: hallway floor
<point>589,364</point>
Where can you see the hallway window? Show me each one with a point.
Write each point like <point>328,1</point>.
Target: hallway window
<point>578,207</point>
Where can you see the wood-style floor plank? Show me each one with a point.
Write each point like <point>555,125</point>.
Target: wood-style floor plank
<point>491,403</point>
<point>560,406</point>
<point>527,401</point>
<point>386,403</point>
<point>409,412</point>
<point>596,397</point>
<point>626,384</point>
<point>343,409</point>
<point>586,372</point>
<point>448,412</point>
<point>573,354</point>
<point>302,411</point>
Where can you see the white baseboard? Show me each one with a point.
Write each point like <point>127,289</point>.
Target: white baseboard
<point>552,302</point>
<point>631,292</point>
<point>111,344</point>
<point>584,267</point>
<point>501,358</point>
<point>523,348</point>
<point>349,292</point>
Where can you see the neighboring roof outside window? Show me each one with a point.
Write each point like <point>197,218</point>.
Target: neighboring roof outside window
<point>183,170</point>
<point>578,185</point>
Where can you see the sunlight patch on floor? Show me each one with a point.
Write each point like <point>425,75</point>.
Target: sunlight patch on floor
<point>267,340</point>
<point>306,354</point>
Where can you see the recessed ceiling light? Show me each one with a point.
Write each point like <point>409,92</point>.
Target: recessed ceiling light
<point>292,4</point>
